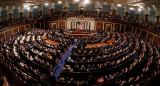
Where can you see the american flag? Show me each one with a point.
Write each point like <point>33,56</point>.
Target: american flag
<point>80,24</point>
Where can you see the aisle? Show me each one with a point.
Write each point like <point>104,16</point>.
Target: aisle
<point>61,62</point>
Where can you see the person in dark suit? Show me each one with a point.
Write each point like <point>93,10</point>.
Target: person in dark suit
<point>52,80</point>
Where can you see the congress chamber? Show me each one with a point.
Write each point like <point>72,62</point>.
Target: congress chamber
<point>79,42</point>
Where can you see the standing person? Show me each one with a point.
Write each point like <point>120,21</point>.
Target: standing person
<point>52,80</point>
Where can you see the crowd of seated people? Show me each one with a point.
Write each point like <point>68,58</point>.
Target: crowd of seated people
<point>97,38</point>
<point>57,36</point>
<point>29,57</point>
<point>11,22</point>
<point>84,14</point>
<point>99,16</point>
<point>114,64</point>
<point>3,81</point>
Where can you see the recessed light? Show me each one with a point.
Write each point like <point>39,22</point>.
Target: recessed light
<point>131,8</point>
<point>59,2</point>
<point>119,5</point>
<point>46,4</point>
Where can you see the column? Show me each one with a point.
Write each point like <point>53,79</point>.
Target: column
<point>137,13</point>
<point>126,11</point>
<point>21,15</point>
<point>66,6</point>
<point>126,14</point>
<point>31,12</point>
<point>21,12</point>
<point>158,15</point>
<point>157,19</point>
<point>40,10</point>
<point>51,9</point>
<point>113,12</point>
<point>113,8</point>
<point>146,16</point>
<point>40,24</point>
<point>10,12</point>
<point>98,7</point>
<point>10,16</point>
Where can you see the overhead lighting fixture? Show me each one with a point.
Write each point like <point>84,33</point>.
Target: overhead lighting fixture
<point>76,0</point>
<point>28,8</point>
<point>139,9</point>
<point>46,4</point>
<point>59,2</point>
<point>131,8</point>
<point>153,6</point>
<point>119,5</point>
<point>35,7</point>
<point>25,6</point>
<point>86,1</point>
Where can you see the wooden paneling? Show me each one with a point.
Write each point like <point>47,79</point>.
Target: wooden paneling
<point>62,25</point>
<point>138,31</point>
<point>99,26</point>
<point>117,27</point>
<point>21,29</point>
<point>156,40</point>
<point>53,24</point>
<point>113,12</point>
<point>134,29</point>
<point>15,31</point>
<point>143,34</point>
<point>122,28</point>
<point>46,25</point>
<point>2,36</point>
<point>51,11</point>
<point>8,34</point>
<point>150,37</point>
<point>128,28</point>
<point>27,26</point>
<point>31,25</point>
<point>108,27</point>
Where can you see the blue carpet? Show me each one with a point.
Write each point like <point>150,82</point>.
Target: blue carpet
<point>61,62</point>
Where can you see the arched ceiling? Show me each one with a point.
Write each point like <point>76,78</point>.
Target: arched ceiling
<point>144,3</point>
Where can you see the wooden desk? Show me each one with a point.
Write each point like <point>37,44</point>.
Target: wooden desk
<point>78,35</point>
<point>101,44</point>
<point>49,41</point>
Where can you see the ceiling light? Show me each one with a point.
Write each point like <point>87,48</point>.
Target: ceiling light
<point>139,9</point>
<point>46,4</point>
<point>131,8</point>
<point>76,0</point>
<point>28,8</point>
<point>119,5</point>
<point>86,1</point>
<point>35,7</point>
<point>25,6</point>
<point>59,2</point>
<point>154,6</point>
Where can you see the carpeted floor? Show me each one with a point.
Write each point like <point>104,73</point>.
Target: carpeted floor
<point>61,62</point>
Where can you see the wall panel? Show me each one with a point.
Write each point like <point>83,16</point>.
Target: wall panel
<point>8,34</point>
<point>106,8</point>
<point>99,26</point>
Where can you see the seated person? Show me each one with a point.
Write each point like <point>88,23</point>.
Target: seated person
<point>49,56</point>
<point>69,59</point>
